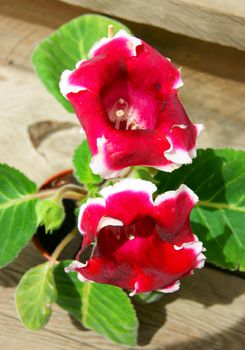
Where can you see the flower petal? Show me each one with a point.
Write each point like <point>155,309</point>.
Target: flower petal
<point>122,44</point>
<point>157,133</point>
<point>129,200</point>
<point>142,263</point>
<point>171,288</point>
<point>89,218</point>
<point>172,211</point>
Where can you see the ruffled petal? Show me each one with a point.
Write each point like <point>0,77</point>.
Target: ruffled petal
<point>172,212</point>
<point>152,71</point>
<point>137,244</point>
<point>122,45</point>
<point>126,100</point>
<point>89,218</point>
<point>142,262</point>
<point>129,200</point>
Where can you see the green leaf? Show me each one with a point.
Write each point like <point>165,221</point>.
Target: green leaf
<point>50,213</point>
<point>34,296</point>
<point>217,176</point>
<point>103,308</point>
<point>17,212</point>
<point>148,298</point>
<point>69,290</point>
<point>108,310</point>
<point>68,45</point>
<point>144,173</point>
<point>81,160</point>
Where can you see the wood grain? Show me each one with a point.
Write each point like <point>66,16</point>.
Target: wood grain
<point>38,137</point>
<point>217,21</point>
<point>194,317</point>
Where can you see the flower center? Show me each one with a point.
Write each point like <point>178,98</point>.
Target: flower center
<point>124,116</point>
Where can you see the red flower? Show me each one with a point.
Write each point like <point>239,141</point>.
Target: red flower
<point>139,244</point>
<point>125,97</point>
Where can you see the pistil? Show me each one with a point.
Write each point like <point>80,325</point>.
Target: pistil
<point>123,116</point>
<point>110,31</point>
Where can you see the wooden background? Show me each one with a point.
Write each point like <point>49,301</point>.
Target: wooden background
<point>38,137</point>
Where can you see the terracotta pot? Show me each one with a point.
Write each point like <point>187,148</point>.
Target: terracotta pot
<point>46,243</point>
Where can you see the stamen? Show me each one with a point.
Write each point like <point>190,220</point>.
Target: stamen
<point>131,237</point>
<point>110,31</point>
<point>117,125</point>
<point>120,113</point>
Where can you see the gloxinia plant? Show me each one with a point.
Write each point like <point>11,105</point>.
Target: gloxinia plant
<point>125,97</point>
<point>139,245</point>
<point>146,206</point>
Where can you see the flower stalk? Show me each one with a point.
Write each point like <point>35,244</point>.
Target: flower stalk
<point>62,245</point>
<point>68,191</point>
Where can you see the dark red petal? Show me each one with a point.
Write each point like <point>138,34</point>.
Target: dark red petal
<point>171,212</point>
<point>89,218</point>
<point>152,71</point>
<point>135,257</point>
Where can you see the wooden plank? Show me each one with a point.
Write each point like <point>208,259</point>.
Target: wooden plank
<point>217,21</point>
<point>29,22</point>
<point>195,317</point>
<point>24,103</point>
<point>208,87</point>
<point>204,97</point>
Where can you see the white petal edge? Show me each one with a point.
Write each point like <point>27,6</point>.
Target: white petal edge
<point>79,63</point>
<point>200,261</point>
<point>98,164</point>
<point>132,43</point>
<point>91,201</point>
<point>66,87</point>
<point>135,42</point>
<point>174,194</point>
<point>171,289</point>
<point>180,156</point>
<point>108,221</point>
<point>74,265</point>
<point>82,279</point>
<point>199,128</point>
<point>178,83</point>
<point>82,131</point>
<point>168,168</point>
<point>198,248</point>
<point>134,185</point>
<point>136,289</point>
<point>177,155</point>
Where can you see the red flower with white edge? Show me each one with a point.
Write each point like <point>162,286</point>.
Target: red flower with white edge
<point>138,244</point>
<point>125,97</point>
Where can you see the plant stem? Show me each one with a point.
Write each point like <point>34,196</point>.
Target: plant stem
<point>62,245</point>
<point>68,191</point>
<point>131,169</point>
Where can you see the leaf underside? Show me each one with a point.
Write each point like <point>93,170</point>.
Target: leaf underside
<point>81,162</point>
<point>103,308</point>
<point>34,296</point>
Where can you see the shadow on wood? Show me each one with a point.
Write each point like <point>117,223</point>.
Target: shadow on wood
<point>233,339</point>
<point>151,317</point>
